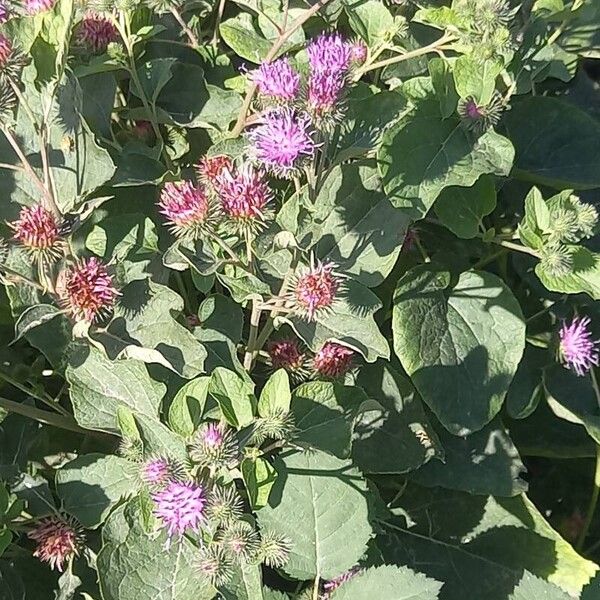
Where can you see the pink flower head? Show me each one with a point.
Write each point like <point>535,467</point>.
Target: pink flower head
<point>156,471</point>
<point>58,541</point>
<point>282,140</point>
<point>471,110</point>
<point>244,194</point>
<point>277,80</point>
<point>96,32</point>
<point>212,436</point>
<point>358,52</point>
<point>89,290</point>
<point>36,229</point>
<point>214,445</point>
<point>315,291</point>
<point>180,507</point>
<point>185,205</point>
<point>324,92</point>
<point>329,54</point>
<point>334,584</point>
<point>333,360</point>
<point>6,50</point>
<point>4,12</point>
<point>34,7</point>
<point>577,349</point>
<point>210,167</point>
<point>286,354</point>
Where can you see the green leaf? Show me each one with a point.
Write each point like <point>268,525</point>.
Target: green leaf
<point>99,386</point>
<point>351,323</point>
<point>584,277</point>
<point>536,221</point>
<point>275,397</point>
<point>423,154</point>
<point>460,340</point>
<point>371,20</point>
<point>33,317</point>
<point>532,587</point>
<point>92,484</point>
<point>355,226</point>
<point>566,143</point>
<point>525,390</point>
<point>186,410</point>
<point>442,80</point>
<point>461,209</point>
<point>485,462</point>
<point>222,314</point>
<point>241,35</point>
<point>246,583</point>
<point>393,434</point>
<point>144,328</point>
<point>323,510</point>
<point>259,477</point>
<point>234,395</point>
<point>475,78</point>
<point>319,412</point>
<point>133,564</point>
<point>479,546</point>
<point>391,583</point>
<point>441,17</point>
<point>242,285</point>
<point>127,425</point>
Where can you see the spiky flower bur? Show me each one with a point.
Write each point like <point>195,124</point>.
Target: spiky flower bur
<point>324,96</point>
<point>6,49</point>
<point>95,32</point>
<point>34,7</point>
<point>215,564</point>
<point>273,549</point>
<point>58,541</point>
<point>131,448</point>
<point>572,221</point>
<point>578,351</point>
<point>564,226</point>
<point>358,52</point>
<point>277,426</point>
<point>244,195</point>
<point>283,141</point>
<point>5,12</point>
<point>314,290</point>
<point>158,471</point>
<point>186,207</point>
<point>209,168</point>
<point>240,541</point>
<point>163,7</point>
<point>330,586</point>
<point>38,231</point>
<point>180,507</point>
<point>556,260</point>
<point>8,102</point>
<point>89,292</point>
<point>587,217</point>
<point>276,81</point>
<point>333,360</point>
<point>12,60</point>
<point>224,505</point>
<point>487,15</point>
<point>214,446</point>
<point>479,118</point>
<point>287,354</point>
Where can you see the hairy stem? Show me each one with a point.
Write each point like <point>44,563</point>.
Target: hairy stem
<point>592,505</point>
<point>315,593</point>
<point>191,36</point>
<point>216,33</point>
<point>254,324</point>
<point>47,400</point>
<point>516,247</point>
<point>277,45</point>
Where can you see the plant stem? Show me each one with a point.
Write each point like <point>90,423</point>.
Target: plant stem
<point>19,277</point>
<point>315,594</point>
<point>516,247</point>
<point>486,260</point>
<point>183,292</point>
<point>43,416</point>
<point>191,36</point>
<point>46,400</point>
<point>434,47</point>
<point>224,245</point>
<point>216,33</point>
<point>539,313</point>
<point>593,501</point>
<point>254,324</point>
<point>277,45</point>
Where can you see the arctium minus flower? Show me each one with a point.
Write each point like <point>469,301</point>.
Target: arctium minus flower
<point>58,541</point>
<point>34,7</point>
<point>333,360</point>
<point>180,507</point>
<point>12,60</point>
<point>329,54</point>
<point>209,168</point>
<point>324,95</point>
<point>240,541</point>
<point>89,292</point>
<point>38,231</point>
<point>279,425</point>
<point>186,207</point>
<point>478,117</point>
<point>158,471</point>
<point>274,549</point>
<point>5,12</point>
<point>215,564</point>
<point>214,446</point>
<point>577,349</point>
<point>556,260</point>
<point>245,196</point>
<point>277,81</point>
<point>224,505</point>
<point>283,141</point>
<point>95,32</point>
<point>314,290</point>
<point>287,354</point>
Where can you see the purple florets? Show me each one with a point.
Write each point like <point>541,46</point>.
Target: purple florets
<point>329,54</point>
<point>324,92</point>
<point>282,140</point>
<point>277,80</point>
<point>180,507</point>
<point>4,12</point>
<point>577,349</point>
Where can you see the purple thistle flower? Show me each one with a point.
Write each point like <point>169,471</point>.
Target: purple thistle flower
<point>96,32</point>
<point>277,80</point>
<point>214,445</point>
<point>329,54</point>
<point>244,194</point>
<point>577,349</point>
<point>158,471</point>
<point>324,92</point>
<point>333,360</point>
<point>6,50</point>
<point>180,507</point>
<point>213,436</point>
<point>282,140</point>
<point>34,7</point>
<point>4,12</point>
<point>315,290</point>
<point>185,205</point>
<point>358,52</point>
<point>58,541</point>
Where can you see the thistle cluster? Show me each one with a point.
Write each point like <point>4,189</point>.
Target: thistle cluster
<point>95,32</point>
<point>58,540</point>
